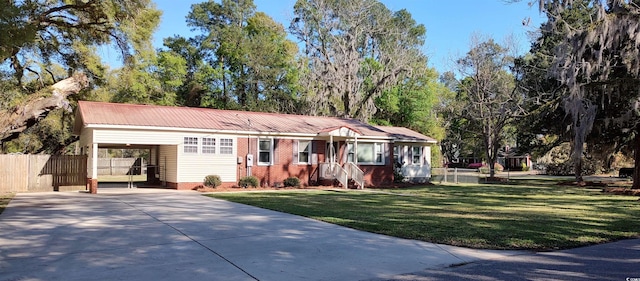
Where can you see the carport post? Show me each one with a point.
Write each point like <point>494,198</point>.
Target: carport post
<point>93,184</point>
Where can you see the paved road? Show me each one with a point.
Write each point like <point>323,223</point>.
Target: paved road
<point>614,261</point>
<point>172,235</point>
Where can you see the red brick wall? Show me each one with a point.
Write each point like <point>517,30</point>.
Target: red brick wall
<point>378,175</point>
<point>374,175</point>
<point>283,166</point>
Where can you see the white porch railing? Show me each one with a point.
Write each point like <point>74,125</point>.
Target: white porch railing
<point>354,172</point>
<point>334,171</point>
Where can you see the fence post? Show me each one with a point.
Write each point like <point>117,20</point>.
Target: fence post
<point>455,175</point>
<point>445,174</point>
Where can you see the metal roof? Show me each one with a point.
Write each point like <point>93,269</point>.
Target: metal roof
<point>155,116</point>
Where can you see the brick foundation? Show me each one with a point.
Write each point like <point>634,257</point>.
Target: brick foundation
<point>92,185</point>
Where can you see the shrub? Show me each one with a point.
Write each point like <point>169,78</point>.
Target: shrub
<point>249,181</point>
<point>291,182</point>
<point>485,168</point>
<point>212,181</point>
<point>566,168</point>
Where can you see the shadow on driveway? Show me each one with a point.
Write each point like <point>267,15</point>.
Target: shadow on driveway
<point>146,234</point>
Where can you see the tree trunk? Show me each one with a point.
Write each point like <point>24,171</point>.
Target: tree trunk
<point>577,167</point>
<point>13,122</point>
<point>492,168</point>
<point>636,158</point>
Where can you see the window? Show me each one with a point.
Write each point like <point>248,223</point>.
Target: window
<point>378,152</point>
<point>368,153</point>
<point>226,146</point>
<point>416,152</point>
<point>190,145</point>
<point>396,154</point>
<point>350,152</point>
<point>208,146</point>
<point>265,151</point>
<point>304,150</point>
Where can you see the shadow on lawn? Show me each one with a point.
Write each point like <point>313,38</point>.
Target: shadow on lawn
<point>477,216</point>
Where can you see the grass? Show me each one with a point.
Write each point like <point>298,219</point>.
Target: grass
<point>534,215</point>
<point>5,198</point>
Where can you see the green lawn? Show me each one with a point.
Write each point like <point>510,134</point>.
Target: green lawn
<point>540,216</point>
<point>5,198</point>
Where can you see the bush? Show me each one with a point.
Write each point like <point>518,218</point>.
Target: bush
<point>212,181</point>
<point>291,182</point>
<point>475,166</point>
<point>566,168</point>
<point>249,181</point>
<point>485,168</point>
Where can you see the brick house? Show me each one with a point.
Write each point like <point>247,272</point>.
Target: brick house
<point>186,144</point>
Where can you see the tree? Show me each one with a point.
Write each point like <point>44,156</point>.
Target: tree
<point>459,141</point>
<point>599,64</point>
<point>354,51</point>
<point>545,124</point>
<point>490,98</point>
<point>47,53</point>
<point>413,104</point>
<point>242,60</point>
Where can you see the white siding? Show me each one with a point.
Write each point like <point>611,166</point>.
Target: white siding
<point>151,137</point>
<point>176,165</point>
<point>409,170</point>
<point>86,144</point>
<point>194,167</point>
<point>426,154</point>
<point>168,163</point>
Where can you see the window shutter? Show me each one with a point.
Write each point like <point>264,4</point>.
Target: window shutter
<point>426,154</point>
<point>255,145</point>
<point>410,153</point>
<point>276,153</point>
<point>314,152</point>
<point>385,153</point>
<point>294,148</point>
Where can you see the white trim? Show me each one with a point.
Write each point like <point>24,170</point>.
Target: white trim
<point>420,155</point>
<point>375,153</point>
<point>309,152</point>
<point>271,153</point>
<point>281,135</point>
<point>231,132</point>
<point>180,129</point>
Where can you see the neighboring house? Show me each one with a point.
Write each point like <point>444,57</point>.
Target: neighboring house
<point>186,144</point>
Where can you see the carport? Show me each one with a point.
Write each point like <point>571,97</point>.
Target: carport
<point>131,166</point>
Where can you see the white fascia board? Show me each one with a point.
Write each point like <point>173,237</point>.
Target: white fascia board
<point>231,132</point>
<point>196,130</point>
<point>400,141</point>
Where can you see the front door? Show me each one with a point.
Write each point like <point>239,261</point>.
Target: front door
<point>331,152</point>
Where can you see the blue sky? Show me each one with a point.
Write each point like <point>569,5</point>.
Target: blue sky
<point>449,24</point>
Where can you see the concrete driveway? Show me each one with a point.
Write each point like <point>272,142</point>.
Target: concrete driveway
<point>143,234</point>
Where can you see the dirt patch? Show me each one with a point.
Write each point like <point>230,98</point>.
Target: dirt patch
<point>622,191</point>
<point>583,183</point>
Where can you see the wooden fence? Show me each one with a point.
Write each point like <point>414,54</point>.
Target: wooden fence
<point>121,166</point>
<point>37,173</point>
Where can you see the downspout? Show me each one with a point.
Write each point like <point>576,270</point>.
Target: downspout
<point>332,153</point>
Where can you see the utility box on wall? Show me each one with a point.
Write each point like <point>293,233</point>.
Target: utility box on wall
<point>249,160</point>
